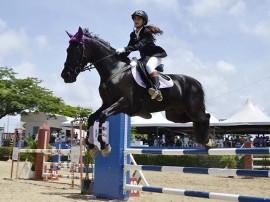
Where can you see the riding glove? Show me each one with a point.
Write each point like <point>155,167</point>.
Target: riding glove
<point>120,50</point>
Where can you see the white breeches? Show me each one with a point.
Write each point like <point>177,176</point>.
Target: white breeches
<point>152,63</point>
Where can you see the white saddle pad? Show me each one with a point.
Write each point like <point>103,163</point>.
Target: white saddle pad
<point>164,83</point>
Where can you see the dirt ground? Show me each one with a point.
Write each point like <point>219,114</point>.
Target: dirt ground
<point>25,190</point>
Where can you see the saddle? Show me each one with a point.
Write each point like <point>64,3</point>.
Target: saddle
<point>142,78</point>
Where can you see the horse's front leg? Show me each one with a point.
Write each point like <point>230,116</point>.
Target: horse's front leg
<point>89,140</point>
<point>120,106</point>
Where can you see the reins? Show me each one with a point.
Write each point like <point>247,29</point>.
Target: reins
<point>92,65</point>
<point>118,72</point>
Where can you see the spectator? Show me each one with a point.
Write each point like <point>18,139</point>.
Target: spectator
<point>261,141</point>
<point>76,136</point>
<point>267,141</point>
<point>163,141</point>
<point>177,141</point>
<point>52,138</point>
<point>156,142</point>
<point>256,141</point>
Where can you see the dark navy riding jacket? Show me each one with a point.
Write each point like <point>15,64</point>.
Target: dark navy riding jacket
<point>145,44</point>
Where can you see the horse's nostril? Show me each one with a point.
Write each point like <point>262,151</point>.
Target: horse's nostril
<point>65,75</point>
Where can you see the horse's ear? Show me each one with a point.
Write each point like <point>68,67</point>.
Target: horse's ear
<point>80,33</point>
<point>70,35</point>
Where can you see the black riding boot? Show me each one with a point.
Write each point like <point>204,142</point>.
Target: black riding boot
<point>155,92</point>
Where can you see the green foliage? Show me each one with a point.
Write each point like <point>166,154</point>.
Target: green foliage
<point>20,96</point>
<point>133,133</point>
<point>203,161</point>
<point>4,153</point>
<point>261,162</point>
<point>88,160</point>
<point>228,161</point>
<point>31,157</point>
<point>78,112</point>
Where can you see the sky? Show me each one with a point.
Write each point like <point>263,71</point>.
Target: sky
<point>225,44</point>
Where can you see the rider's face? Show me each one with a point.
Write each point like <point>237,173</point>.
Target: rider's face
<point>138,21</point>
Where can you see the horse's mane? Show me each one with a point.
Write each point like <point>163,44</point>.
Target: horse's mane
<point>87,33</point>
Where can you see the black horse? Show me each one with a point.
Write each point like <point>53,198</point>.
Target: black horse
<point>183,102</point>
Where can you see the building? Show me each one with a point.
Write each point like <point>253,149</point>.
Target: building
<point>34,121</point>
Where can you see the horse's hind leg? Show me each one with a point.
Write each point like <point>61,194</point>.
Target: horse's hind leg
<point>201,129</point>
<point>195,109</point>
<point>201,122</point>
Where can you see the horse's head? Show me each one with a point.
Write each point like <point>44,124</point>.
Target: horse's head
<point>76,59</point>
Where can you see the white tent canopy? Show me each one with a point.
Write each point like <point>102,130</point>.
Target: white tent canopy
<point>159,120</point>
<point>248,114</point>
<point>67,123</point>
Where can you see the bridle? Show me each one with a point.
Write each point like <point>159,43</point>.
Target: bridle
<point>82,65</point>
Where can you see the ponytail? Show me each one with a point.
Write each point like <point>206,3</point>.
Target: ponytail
<point>154,29</point>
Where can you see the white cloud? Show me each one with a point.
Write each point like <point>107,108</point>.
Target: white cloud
<point>83,92</point>
<point>260,29</point>
<point>181,60</point>
<point>214,84</point>
<point>12,41</point>
<point>237,9</point>
<point>203,8</point>
<point>42,43</point>
<point>263,29</point>
<point>161,3</point>
<point>25,69</point>
<point>225,68</point>
<point>2,24</point>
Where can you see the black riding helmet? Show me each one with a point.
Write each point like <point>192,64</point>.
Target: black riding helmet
<point>140,13</point>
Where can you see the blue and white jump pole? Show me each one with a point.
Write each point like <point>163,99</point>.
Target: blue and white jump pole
<point>109,172</point>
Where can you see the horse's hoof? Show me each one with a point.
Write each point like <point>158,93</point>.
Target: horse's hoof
<point>105,152</point>
<point>211,143</point>
<point>94,152</point>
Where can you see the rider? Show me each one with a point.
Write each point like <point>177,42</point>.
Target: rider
<point>142,39</point>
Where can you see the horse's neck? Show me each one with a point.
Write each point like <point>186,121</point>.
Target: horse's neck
<point>108,62</point>
<point>108,67</point>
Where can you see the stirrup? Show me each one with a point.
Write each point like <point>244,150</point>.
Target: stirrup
<point>94,152</point>
<point>153,93</point>
<point>105,152</point>
<point>159,97</point>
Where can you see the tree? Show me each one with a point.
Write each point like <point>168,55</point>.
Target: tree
<point>79,113</point>
<point>19,96</point>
